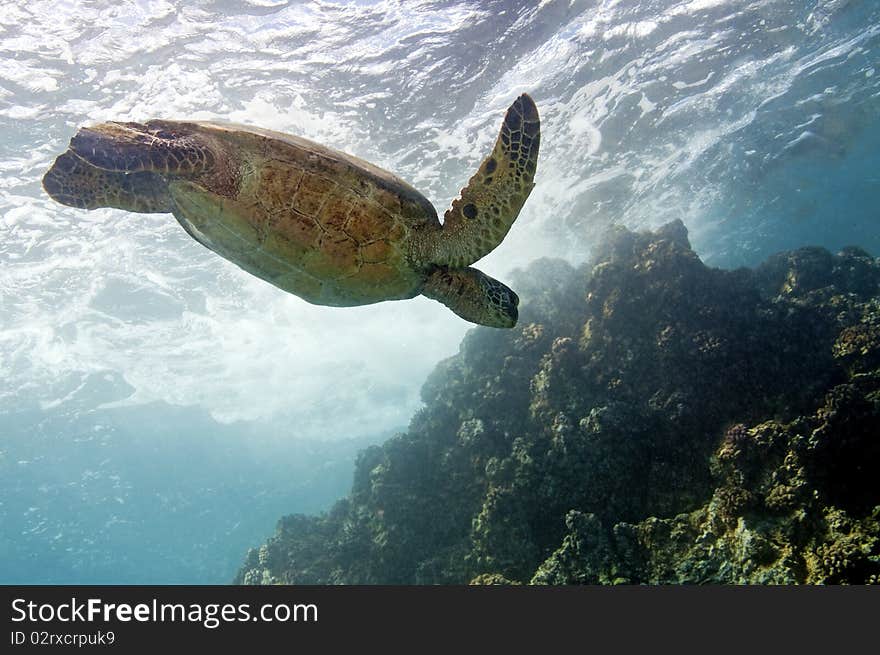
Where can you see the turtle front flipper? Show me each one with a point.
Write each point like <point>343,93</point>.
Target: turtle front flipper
<point>474,296</point>
<point>489,204</point>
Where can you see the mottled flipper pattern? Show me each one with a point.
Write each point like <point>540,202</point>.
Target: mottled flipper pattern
<point>133,147</point>
<point>323,225</point>
<point>489,204</point>
<point>124,165</point>
<point>74,182</point>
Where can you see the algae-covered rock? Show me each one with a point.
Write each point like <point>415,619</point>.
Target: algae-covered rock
<point>650,420</point>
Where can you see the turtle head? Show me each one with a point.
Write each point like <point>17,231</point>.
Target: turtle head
<point>474,296</point>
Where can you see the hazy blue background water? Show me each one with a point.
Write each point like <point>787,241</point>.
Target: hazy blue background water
<point>159,408</point>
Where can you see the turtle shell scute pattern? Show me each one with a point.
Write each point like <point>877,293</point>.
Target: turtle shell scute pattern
<point>330,231</point>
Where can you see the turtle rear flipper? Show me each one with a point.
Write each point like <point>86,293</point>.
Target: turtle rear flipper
<point>134,147</point>
<point>75,182</point>
<point>474,296</point>
<point>481,217</point>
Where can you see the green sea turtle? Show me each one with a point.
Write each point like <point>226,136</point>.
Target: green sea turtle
<point>326,226</point>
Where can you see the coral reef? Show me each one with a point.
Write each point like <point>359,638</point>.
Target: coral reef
<point>650,420</point>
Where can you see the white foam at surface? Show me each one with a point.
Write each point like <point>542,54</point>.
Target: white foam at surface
<point>644,108</point>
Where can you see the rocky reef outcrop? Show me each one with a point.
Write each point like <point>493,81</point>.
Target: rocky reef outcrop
<point>650,420</point>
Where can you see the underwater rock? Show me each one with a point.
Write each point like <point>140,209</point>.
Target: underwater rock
<point>650,420</point>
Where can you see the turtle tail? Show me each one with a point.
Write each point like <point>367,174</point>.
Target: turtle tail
<point>73,181</point>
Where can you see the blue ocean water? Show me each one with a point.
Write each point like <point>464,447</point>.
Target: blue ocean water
<point>160,409</point>
<point>150,494</point>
